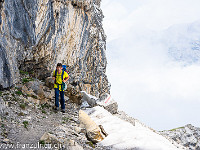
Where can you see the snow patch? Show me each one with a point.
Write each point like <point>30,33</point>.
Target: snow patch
<point>123,135</point>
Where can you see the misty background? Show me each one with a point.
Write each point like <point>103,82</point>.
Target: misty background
<point>153,53</point>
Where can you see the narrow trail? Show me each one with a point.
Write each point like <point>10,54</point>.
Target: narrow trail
<point>39,123</point>
<point>27,126</point>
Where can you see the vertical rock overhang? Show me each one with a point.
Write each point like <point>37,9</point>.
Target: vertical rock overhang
<point>36,35</point>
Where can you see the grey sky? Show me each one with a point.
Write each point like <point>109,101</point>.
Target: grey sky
<point>146,82</point>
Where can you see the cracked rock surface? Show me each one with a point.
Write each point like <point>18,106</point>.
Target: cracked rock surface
<point>36,35</point>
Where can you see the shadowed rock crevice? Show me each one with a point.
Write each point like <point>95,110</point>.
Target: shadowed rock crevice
<point>5,70</point>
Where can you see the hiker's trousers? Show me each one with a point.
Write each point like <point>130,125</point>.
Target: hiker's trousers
<point>62,100</point>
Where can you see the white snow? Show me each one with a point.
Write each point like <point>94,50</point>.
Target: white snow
<point>123,135</point>
<point>84,104</point>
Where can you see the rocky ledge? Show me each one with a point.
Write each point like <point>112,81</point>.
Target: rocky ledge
<point>188,136</point>
<point>28,119</point>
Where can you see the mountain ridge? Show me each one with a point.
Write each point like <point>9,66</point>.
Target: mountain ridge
<point>35,36</point>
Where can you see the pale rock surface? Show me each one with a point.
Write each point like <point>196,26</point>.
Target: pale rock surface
<point>105,101</point>
<point>108,103</point>
<point>93,131</point>
<point>36,35</point>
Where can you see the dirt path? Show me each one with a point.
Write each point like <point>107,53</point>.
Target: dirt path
<point>23,123</point>
<point>27,126</point>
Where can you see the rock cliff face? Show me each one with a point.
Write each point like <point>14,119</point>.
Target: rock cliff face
<point>188,136</point>
<point>36,35</point>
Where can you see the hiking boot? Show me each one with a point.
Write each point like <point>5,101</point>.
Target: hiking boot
<point>56,108</point>
<point>63,111</point>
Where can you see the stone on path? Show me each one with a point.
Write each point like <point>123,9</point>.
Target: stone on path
<point>92,129</point>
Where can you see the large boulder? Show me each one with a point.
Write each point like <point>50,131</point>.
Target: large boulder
<point>74,94</point>
<point>93,131</point>
<point>36,92</point>
<point>37,88</point>
<point>91,100</point>
<point>105,101</point>
<point>52,139</point>
<point>27,91</point>
<point>49,138</point>
<point>108,103</point>
<point>49,82</point>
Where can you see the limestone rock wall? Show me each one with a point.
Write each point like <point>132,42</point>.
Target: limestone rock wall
<point>37,34</point>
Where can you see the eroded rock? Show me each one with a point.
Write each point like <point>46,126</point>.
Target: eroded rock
<point>105,101</point>
<point>93,131</point>
<point>108,103</point>
<point>36,35</point>
<point>74,94</point>
<point>50,138</point>
<point>49,82</point>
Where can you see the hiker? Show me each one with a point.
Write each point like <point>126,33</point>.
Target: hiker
<point>60,77</point>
